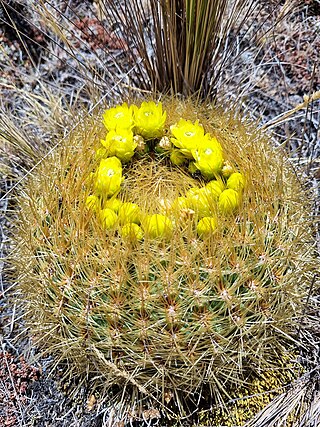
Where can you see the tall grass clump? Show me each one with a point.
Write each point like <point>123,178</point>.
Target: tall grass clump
<point>187,46</point>
<point>176,46</point>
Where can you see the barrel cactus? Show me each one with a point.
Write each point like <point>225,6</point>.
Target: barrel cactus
<point>165,249</point>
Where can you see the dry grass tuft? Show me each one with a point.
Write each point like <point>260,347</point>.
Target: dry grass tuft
<point>178,46</point>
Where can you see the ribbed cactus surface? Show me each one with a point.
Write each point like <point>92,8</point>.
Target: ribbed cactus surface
<point>166,307</point>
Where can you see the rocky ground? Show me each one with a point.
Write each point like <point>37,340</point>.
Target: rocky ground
<point>275,73</point>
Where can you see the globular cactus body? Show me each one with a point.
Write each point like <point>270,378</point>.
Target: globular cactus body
<point>182,296</point>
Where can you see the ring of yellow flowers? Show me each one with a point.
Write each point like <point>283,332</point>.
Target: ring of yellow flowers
<point>134,129</point>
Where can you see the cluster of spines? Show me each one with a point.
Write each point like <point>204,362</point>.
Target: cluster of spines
<point>184,306</point>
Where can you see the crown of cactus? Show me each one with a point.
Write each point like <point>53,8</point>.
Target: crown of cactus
<point>167,248</point>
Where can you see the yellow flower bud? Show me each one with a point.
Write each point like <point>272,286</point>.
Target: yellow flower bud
<point>192,191</point>
<point>101,153</point>
<point>129,212</point>
<point>227,169</point>
<point>132,231</point>
<point>113,204</point>
<point>108,218</point>
<point>206,226</point>
<point>201,202</point>
<point>229,201</point>
<point>141,143</point>
<point>179,203</point>
<point>177,157</point>
<point>192,168</point>
<point>236,182</point>
<point>108,177</point>
<point>215,187</point>
<point>208,157</point>
<point>158,226</point>
<point>93,202</point>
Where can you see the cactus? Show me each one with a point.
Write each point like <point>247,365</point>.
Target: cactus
<point>188,295</point>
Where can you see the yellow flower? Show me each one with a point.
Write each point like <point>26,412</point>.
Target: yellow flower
<point>149,120</point>
<point>236,182</point>
<point>129,212</point>
<point>108,218</point>
<point>157,226</point>
<point>206,226</point>
<point>108,177</point>
<point>229,201</point>
<point>132,231</point>
<point>120,116</point>
<point>208,157</point>
<point>120,143</point>
<point>187,135</point>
